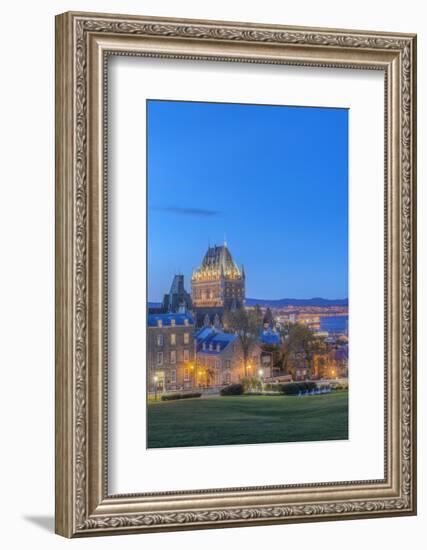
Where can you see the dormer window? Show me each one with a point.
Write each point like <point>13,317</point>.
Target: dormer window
<point>204,345</point>
<point>210,347</point>
<point>159,323</point>
<point>172,322</point>
<point>218,347</point>
<point>186,322</point>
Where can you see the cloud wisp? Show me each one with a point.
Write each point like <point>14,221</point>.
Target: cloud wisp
<point>199,212</point>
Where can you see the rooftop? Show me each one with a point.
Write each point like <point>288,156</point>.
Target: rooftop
<point>271,337</point>
<point>218,259</point>
<point>211,341</point>
<point>170,319</point>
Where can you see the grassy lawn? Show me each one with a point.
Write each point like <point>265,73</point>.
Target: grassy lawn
<point>247,419</point>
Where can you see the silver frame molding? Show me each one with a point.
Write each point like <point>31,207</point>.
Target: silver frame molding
<point>83,43</point>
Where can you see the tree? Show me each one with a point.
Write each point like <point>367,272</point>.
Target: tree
<point>247,325</point>
<point>268,318</point>
<point>299,344</point>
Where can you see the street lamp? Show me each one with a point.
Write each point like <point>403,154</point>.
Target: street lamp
<point>193,377</point>
<point>155,378</point>
<point>261,374</point>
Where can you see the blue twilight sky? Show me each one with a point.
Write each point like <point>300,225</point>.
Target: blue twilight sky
<point>272,179</point>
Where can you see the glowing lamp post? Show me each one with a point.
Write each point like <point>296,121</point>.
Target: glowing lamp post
<point>193,377</point>
<point>261,375</point>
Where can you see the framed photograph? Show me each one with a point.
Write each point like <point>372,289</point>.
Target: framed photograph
<point>235,274</point>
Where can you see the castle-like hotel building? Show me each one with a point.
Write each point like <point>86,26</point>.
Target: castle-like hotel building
<point>187,347</point>
<point>218,282</point>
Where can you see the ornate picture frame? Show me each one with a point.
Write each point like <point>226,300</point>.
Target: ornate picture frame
<point>84,42</point>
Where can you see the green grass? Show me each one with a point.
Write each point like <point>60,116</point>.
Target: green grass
<point>247,419</point>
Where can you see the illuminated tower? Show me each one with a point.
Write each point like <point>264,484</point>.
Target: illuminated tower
<point>218,284</point>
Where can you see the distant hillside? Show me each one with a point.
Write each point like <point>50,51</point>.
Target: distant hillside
<point>316,302</point>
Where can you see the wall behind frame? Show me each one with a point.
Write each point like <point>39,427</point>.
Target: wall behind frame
<point>27,274</point>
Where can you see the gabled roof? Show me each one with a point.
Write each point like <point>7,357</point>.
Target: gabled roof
<point>207,337</point>
<point>167,318</point>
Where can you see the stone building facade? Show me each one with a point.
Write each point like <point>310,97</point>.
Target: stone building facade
<point>170,349</point>
<point>219,358</point>
<point>181,358</point>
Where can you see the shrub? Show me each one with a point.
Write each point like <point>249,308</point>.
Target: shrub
<point>309,385</point>
<point>252,384</point>
<point>294,388</point>
<point>277,388</point>
<point>338,386</point>
<point>232,389</point>
<point>262,393</point>
<point>175,396</point>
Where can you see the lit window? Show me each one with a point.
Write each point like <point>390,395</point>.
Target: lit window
<point>186,338</point>
<point>173,339</point>
<point>160,339</point>
<point>173,322</point>
<point>160,358</point>
<point>186,322</point>
<point>173,357</point>
<point>186,355</point>
<point>186,375</point>
<point>159,323</point>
